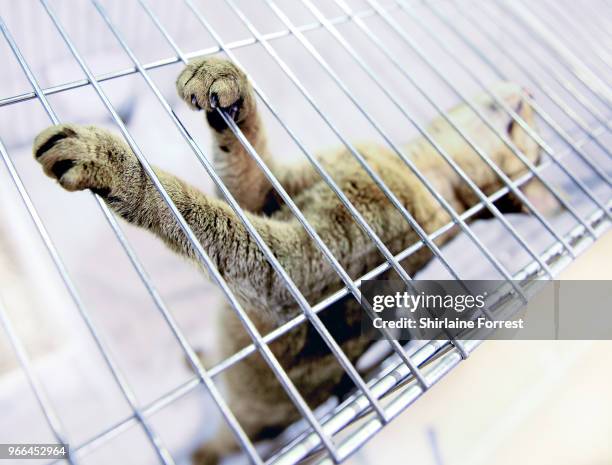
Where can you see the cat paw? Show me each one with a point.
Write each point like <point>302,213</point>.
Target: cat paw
<point>210,83</point>
<point>80,157</point>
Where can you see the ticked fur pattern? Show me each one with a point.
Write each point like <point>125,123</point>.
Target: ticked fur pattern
<point>87,157</point>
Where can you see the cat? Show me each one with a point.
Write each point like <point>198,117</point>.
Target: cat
<point>87,157</point>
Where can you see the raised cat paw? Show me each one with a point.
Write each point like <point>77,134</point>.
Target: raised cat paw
<point>81,157</point>
<point>210,83</point>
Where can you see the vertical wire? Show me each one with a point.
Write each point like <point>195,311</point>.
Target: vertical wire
<point>516,117</point>
<point>443,202</point>
<point>567,87</point>
<point>597,36</point>
<point>383,249</point>
<point>566,58</point>
<point>565,83</point>
<point>482,155</point>
<point>602,55</point>
<point>399,30</point>
<point>420,232</point>
<point>494,210</point>
<point>202,256</point>
<point>281,375</point>
<point>364,164</point>
<point>162,452</point>
<point>42,398</point>
<point>367,229</point>
<point>177,332</point>
<point>344,361</point>
<point>547,91</point>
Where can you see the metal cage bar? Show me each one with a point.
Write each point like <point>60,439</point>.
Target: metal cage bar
<point>203,256</point>
<point>191,384</point>
<point>294,209</point>
<point>49,412</point>
<point>358,156</point>
<point>308,311</point>
<point>545,89</point>
<point>466,100</point>
<point>189,352</point>
<point>410,372</point>
<point>532,134</point>
<point>366,228</point>
<point>569,60</point>
<point>173,60</point>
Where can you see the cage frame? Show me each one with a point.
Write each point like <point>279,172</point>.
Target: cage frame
<point>415,371</point>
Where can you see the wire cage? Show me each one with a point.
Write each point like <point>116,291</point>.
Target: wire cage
<point>101,316</point>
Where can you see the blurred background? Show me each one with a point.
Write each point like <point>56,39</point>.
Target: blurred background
<point>537,402</point>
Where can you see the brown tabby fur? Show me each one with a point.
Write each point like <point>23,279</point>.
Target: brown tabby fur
<point>86,157</point>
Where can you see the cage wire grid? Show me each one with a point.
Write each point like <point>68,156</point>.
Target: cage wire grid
<point>572,97</point>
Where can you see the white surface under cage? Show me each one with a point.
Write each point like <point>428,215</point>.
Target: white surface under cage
<point>65,359</point>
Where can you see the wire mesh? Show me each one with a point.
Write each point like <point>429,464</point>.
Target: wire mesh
<point>387,48</point>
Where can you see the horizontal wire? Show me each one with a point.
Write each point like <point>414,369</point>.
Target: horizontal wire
<point>547,91</point>
<point>200,252</point>
<point>237,44</point>
<point>344,361</point>
<point>189,385</point>
<point>422,242</point>
<point>503,137</point>
<point>277,369</point>
<point>129,395</point>
<point>515,117</point>
<point>379,182</point>
<point>567,59</point>
<point>36,385</point>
